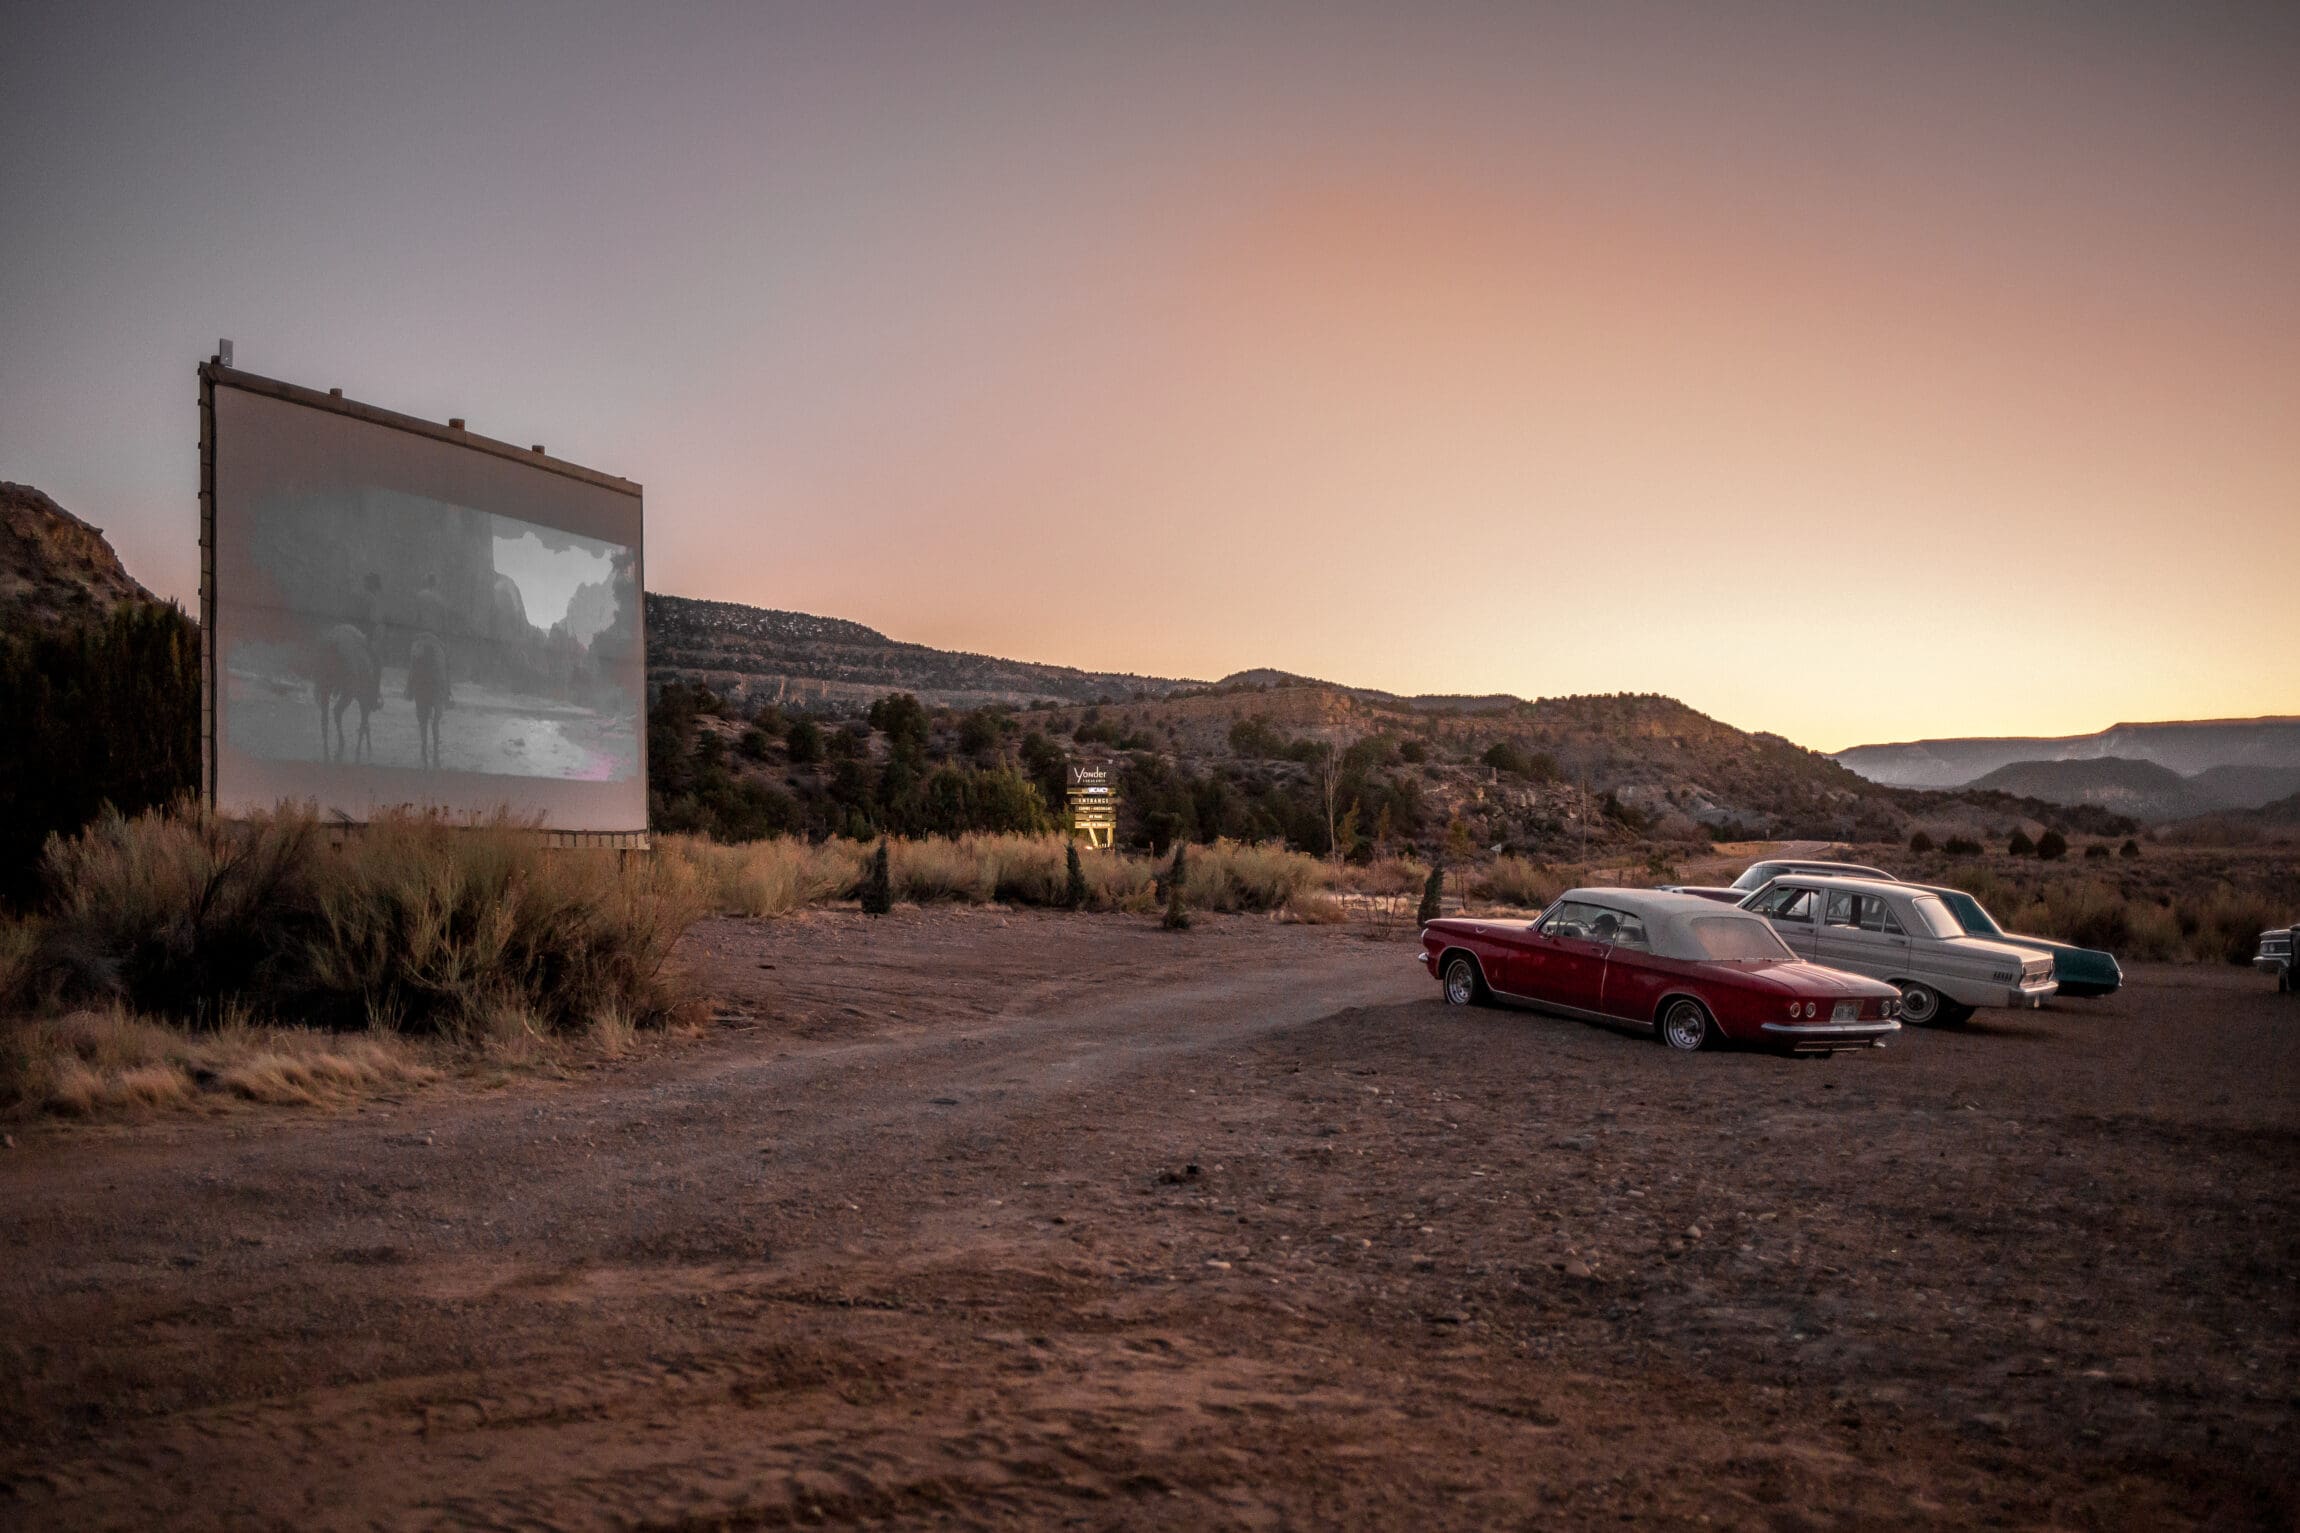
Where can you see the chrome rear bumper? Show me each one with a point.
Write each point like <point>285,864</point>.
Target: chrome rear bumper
<point>1832,1032</point>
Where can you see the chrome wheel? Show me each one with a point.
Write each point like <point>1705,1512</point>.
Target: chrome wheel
<point>1685,1025</point>
<point>1920,1004</point>
<point>1460,981</point>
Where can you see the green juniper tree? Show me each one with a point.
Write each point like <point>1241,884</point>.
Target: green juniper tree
<point>1433,893</point>
<point>1177,908</point>
<point>878,886</point>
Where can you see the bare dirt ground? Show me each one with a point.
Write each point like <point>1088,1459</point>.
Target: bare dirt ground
<point>969,1218</point>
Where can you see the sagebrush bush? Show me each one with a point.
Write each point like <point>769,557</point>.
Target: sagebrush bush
<point>767,878</point>
<point>2205,924</point>
<point>175,912</point>
<point>1383,876</point>
<point>429,925</point>
<point>1229,876</point>
<point>446,927</point>
<point>1515,882</point>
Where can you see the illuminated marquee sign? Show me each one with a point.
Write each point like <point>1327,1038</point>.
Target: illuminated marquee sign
<point>1093,804</point>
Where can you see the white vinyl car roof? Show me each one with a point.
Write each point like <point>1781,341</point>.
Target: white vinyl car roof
<point>1667,917</point>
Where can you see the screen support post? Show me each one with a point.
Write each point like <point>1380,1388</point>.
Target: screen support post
<point>208,577</point>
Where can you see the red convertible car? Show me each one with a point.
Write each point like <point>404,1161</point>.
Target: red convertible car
<point>1694,971</point>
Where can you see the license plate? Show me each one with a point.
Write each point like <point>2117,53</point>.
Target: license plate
<point>1845,1011</point>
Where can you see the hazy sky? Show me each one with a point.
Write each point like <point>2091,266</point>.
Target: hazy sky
<point>1855,372</point>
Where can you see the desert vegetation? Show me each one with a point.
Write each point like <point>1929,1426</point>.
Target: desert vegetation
<point>782,876</point>
<point>2171,907</point>
<point>276,960</point>
<point>100,711</point>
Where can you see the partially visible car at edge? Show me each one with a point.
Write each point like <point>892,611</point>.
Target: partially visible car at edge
<point>1758,874</point>
<point>1692,970</point>
<point>2079,971</point>
<point>2280,955</point>
<point>1904,935</point>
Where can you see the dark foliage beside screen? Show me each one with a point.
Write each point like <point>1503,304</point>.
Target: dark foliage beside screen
<point>105,711</point>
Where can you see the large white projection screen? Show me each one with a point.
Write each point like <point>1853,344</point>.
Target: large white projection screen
<point>401,618</point>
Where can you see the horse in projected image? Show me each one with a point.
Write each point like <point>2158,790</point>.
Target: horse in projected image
<point>345,672</point>
<point>427,689</point>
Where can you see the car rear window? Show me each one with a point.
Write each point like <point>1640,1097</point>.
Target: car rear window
<point>1934,916</point>
<point>1737,939</point>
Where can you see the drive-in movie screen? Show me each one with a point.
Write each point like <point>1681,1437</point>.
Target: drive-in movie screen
<point>405,621</point>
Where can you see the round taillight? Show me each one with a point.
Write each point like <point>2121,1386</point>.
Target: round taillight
<point>1809,1008</point>
<point>1792,1008</point>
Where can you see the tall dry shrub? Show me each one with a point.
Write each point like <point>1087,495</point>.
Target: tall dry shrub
<point>177,911</point>
<point>412,919</point>
<point>1516,882</point>
<point>1230,876</point>
<point>768,878</point>
<point>448,927</point>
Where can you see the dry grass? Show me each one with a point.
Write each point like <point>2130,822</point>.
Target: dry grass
<point>776,878</point>
<point>1516,883</point>
<point>1314,907</point>
<point>1229,877</point>
<point>767,878</point>
<point>109,1061</point>
<point>1385,877</point>
<point>428,925</point>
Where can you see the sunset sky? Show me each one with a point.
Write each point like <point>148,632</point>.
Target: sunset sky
<point>1853,372</point>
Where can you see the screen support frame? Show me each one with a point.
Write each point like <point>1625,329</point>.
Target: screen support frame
<point>212,373</point>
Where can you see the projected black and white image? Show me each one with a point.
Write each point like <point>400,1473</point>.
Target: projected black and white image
<point>399,631</point>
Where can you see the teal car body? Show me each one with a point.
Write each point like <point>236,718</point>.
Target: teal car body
<point>2081,971</point>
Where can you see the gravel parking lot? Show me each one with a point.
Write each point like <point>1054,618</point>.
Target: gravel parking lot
<point>973,1218</point>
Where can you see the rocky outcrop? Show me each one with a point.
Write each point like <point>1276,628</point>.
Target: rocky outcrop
<point>55,568</point>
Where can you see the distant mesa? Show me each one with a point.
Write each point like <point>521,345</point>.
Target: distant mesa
<point>2263,746</point>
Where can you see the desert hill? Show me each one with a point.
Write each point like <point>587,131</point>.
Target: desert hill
<point>1240,756</point>
<point>2143,789</point>
<point>54,567</point>
<point>2185,747</point>
<point>755,656</point>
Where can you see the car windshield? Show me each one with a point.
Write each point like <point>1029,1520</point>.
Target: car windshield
<point>1934,916</point>
<point>1738,939</point>
<point>1969,914</point>
<point>1754,876</point>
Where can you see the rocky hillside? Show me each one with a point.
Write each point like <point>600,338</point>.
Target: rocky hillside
<point>756,655</point>
<point>55,568</point>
